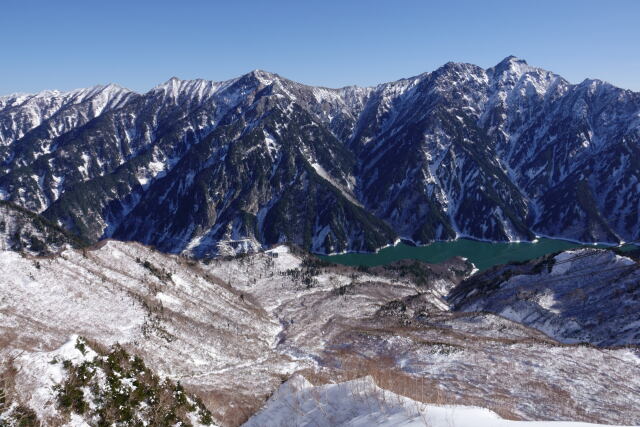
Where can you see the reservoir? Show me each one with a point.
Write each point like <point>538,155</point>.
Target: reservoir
<point>482,254</point>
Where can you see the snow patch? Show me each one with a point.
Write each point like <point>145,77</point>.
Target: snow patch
<point>361,403</point>
<point>40,371</point>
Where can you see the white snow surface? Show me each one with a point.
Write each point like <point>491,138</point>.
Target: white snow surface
<point>361,403</point>
<point>39,371</point>
<point>185,325</point>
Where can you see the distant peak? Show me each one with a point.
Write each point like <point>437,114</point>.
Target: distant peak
<point>170,84</point>
<point>115,87</point>
<point>454,68</point>
<point>172,81</point>
<point>259,72</point>
<point>456,65</point>
<point>264,77</point>
<point>513,59</point>
<point>511,65</point>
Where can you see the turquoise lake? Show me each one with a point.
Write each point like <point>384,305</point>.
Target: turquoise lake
<point>482,254</point>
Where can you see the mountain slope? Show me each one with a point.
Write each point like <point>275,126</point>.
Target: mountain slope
<point>201,167</point>
<point>362,403</point>
<point>22,230</point>
<point>232,329</point>
<point>585,295</point>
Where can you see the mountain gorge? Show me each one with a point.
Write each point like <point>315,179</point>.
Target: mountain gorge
<point>204,168</point>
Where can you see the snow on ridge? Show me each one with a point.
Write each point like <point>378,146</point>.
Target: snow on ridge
<point>37,374</point>
<point>581,299</point>
<point>73,96</point>
<point>564,262</point>
<point>28,111</point>
<point>196,90</point>
<point>517,76</point>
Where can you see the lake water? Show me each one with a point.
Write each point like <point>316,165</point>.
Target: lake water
<point>482,254</point>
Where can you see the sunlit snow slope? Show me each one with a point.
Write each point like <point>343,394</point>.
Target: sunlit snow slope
<point>361,403</point>
<point>231,330</point>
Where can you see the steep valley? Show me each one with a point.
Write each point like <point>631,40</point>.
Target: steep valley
<point>238,252</point>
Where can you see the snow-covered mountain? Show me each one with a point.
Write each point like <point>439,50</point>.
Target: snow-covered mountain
<point>580,296</point>
<point>203,167</point>
<point>231,330</point>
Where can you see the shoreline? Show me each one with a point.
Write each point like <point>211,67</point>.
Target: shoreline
<point>412,243</point>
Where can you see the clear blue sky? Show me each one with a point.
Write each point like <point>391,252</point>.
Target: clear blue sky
<point>65,44</point>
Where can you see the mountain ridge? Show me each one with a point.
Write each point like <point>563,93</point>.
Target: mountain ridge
<point>504,153</point>
<point>509,58</point>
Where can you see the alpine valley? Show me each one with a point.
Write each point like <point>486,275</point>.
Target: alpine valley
<point>203,168</point>
<point>162,263</point>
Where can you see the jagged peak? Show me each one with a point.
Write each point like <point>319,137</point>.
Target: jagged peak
<point>262,76</point>
<point>72,96</point>
<point>511,60</point>
<point>196,90</point>
<point>172,82</point>
<point>514,72</point>
<point>596,85</point>
<point>453,68</point>
<point>112,86</point>
<point>109,88</point>
<point>509,70</point>
<point>260,72</point>
<point>511,66</point>
<point>453,73</point>
<point>170,88</point>
<point>458,65</point>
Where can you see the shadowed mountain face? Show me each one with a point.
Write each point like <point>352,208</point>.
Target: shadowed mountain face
<point>24,231</point>
<point>207,167</point>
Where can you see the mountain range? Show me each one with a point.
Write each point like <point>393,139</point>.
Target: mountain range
<point>200,167</point>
